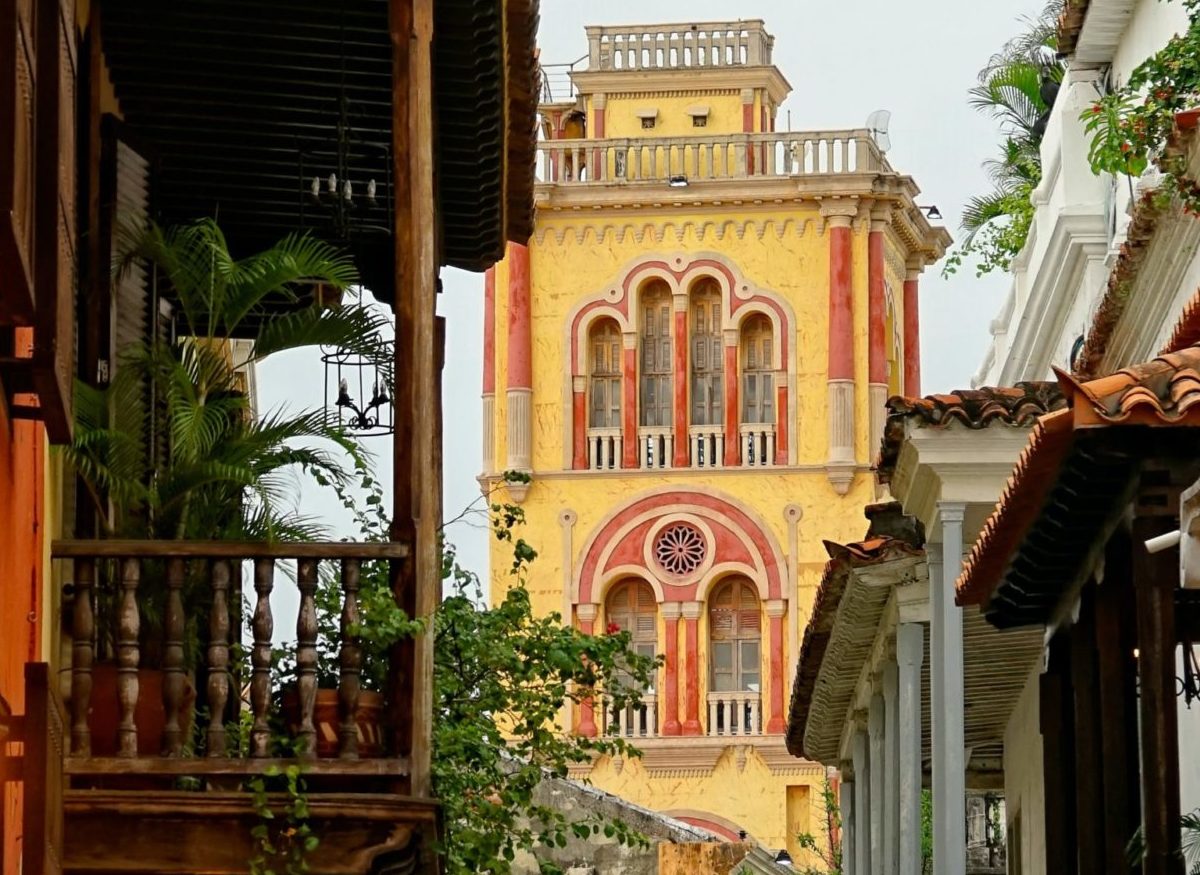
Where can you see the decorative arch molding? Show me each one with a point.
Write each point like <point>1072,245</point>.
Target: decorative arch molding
<point>673,231</point>
<point>680,271</point>
<point>714,823</point>
<point>740,543</point>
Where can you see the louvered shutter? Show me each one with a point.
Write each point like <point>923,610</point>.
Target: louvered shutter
<point>55,222</point>
<point>18,99</point>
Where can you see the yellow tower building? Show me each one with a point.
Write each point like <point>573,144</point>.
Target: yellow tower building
<point>690,358</point>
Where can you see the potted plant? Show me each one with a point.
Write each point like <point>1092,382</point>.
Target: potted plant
<point>222,472</point>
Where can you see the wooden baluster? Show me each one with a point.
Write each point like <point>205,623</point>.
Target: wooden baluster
<point>218,657</point>
<point>306,656</point>
<point>173,674</point>
<point>128,657</point>
<point>83,628</point>
<point>351,660</point>
<point>260,681</point>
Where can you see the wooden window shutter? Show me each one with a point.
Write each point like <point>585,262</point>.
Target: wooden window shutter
<point>45,745</point>
<point>18,101</point>
<point>55,263</point>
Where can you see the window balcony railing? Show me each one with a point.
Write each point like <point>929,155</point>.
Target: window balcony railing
<point>758,445</point>
<point>734,714</point>
<point>630,721</point>
<point>714,157</point>
<point>153,688</point>
<point>706,446</point>
<point>656,446</point>
<point>691,45</point>
<point>604,448</point>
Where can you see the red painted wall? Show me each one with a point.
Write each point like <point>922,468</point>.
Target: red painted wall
<point>22,464</point>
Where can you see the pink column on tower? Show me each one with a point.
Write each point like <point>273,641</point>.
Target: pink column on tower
<point>586,614</point>
<point>732,410</point>
<point>598,169</point>
<point>579,450</point>
<point>877,377</point>
<point>912,332</point>
<point>691,667</point>
<point>839,466</point>
<point>775,611</point>
<point>670,717</point>
<point>679,347</point>
<point>520,360</point>
<point>629,401</point>
<point>489,371</point>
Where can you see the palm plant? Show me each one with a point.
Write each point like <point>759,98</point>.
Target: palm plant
<point>224,472</point>
<point>1016,88</point>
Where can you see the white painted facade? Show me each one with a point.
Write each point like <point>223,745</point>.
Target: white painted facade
<point>1081,219</point>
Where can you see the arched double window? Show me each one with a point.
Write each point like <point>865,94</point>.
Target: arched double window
<point>758,374</point>
<point>604,375</point>
<point>630,607</point>
<point>735,638</point>
<point>656,394</point>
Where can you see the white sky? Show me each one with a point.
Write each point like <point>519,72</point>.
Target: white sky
<point>843,60</point>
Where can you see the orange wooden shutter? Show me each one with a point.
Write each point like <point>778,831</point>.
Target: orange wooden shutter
<point>18,98</point>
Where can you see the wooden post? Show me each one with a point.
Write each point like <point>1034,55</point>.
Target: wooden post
<point>1155,578</point>
<point>1089,765</point>
<point>1058,763</point>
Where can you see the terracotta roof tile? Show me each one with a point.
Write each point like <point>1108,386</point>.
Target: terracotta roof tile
<point>1163,392</point>
<point>1020,405</point>
<point>1187,328</point>
<point>843,559</point>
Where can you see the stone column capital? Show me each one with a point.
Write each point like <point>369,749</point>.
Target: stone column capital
<point>579,384</point>
<point>776,608</point>
<point>839,213</point>
<point>629,340</point>
<point>586,611</point>
<point>747,96</point>
<point>730,336</point>
<point>671,610</point>
<point>691,610</point>
<point>599,100</point>
<point>679,301</point>
<point>952,511</point>
<point>881,217</point>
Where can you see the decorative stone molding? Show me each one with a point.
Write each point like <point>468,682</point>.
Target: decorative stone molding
<point>730,336</point>
<point>579,384</point>
<point>671,610</point>
<point>599,100</point>
<point>747,95</point>
<point>520,439</point>
<point>840,465</point>
<point>691,610</point>
<point>586,612</point>
<point>659,231</point>
<point>775,608</point>
<point>881,218</point>
<point>772,750</point>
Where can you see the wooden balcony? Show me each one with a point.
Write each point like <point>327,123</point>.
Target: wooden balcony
<point>159,747</point>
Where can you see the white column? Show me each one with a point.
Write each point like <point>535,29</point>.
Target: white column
<point>862,804</point>
<point>910,647</point>
<point>875,729</point>
<point>946,683</point>
<point>891,777</point>
<point>847,806</point>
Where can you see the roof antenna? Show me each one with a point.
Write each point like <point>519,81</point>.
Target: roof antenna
<point>877,125</point>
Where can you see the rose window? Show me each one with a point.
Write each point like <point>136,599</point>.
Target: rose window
<point>680,549</point>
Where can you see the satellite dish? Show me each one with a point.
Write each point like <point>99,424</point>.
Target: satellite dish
<point>877,124</point>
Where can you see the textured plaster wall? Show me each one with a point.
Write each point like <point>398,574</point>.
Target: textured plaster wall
<point>1023,788</point>
<point>621,119</point>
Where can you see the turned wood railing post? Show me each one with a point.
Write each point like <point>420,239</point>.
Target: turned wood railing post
<point>218,657</point>
<point>263,627</point>
<point>173,672</point>
<point>83,628</point>
<point>351,660</point>
<point>306,657</point>
<point>128,656</point>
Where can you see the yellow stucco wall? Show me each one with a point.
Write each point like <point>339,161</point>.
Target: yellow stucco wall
<point>572,261</point>
<point>621,115</point>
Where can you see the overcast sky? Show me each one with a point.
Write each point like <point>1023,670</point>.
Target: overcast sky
<point>843,60</point>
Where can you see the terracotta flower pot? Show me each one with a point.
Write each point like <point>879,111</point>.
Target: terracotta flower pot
<point>104,716</point>
<point>327,719</point>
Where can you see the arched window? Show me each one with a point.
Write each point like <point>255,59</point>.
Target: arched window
<point>656,394</point>
<point>630,607</point>
<point>707,365</point>
<point>758,376</point>
<point>604,375</point>
<point>735,635</point>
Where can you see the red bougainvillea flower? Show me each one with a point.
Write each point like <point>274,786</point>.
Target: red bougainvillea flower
<point>613,628</point>
<point>1096,109</point>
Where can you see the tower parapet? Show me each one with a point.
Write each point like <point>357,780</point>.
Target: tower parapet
<point>710,44</point>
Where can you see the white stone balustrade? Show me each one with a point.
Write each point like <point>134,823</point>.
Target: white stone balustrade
<point>604,448</point>
<point>632,722</point>
<point>679,46</point>
<point>706,446</point>
<point>758,445</point>
<point>655,447</point>
<point>734,714</point>
<point>703,158</point>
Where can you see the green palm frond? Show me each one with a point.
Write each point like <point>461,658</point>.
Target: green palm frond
<point>1011,94</point>
<point>355,328</point>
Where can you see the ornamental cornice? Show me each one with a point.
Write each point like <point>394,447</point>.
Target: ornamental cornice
<point>670,230</point>
<point>698,757</point>
<point>737,77</point>
<point>676,92</point>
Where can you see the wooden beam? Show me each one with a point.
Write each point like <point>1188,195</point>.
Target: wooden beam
<point>120,549</point>
<point>1089,765</point>
<point>1058,762</point>
<point>1117,686</point>
<point>172,767</point>
<point>1155,578</point>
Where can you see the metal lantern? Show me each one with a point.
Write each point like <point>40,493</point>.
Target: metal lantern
<point>358,392</point>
